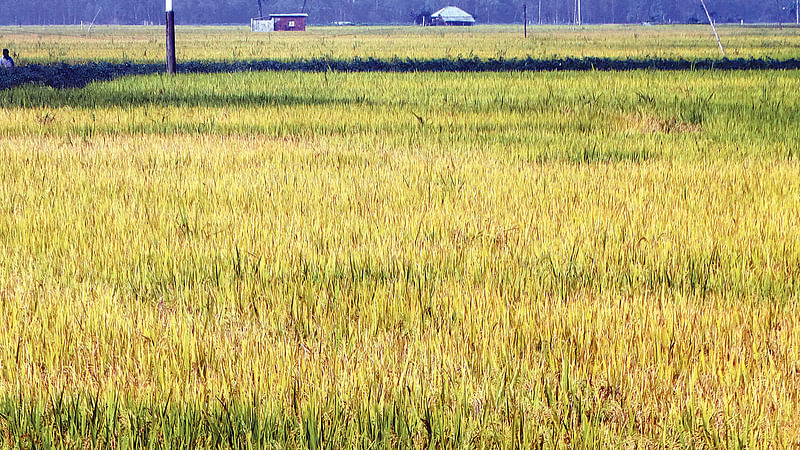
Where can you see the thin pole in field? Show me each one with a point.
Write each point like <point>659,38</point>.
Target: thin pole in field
<point>171,64</point>
<point>95,18</point>
<point>713,27</point>
<point>525,18</point>
<point>797,12</point>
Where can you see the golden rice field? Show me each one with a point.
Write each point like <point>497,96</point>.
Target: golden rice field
<point>146,44</point>
<point>283,260</point>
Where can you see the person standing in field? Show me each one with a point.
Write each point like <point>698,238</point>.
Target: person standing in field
<point>6,61</point>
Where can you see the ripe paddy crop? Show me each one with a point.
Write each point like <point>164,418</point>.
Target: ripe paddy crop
<point>146,44</point>
<point>389,260</point>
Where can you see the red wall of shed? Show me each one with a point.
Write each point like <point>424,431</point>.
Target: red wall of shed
<point>282,23</point>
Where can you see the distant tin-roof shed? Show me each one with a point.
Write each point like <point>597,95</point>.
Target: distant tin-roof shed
<point>280,22</point>
<point>452,15</point>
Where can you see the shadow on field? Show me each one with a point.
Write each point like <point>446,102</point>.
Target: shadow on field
<point>39,97</point>
<point>77,76</point>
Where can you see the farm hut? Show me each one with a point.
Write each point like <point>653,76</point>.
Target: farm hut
<point>452,16</point>
<point>279,22</point>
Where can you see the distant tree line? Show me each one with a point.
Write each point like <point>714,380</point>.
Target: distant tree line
<point>394,11</point>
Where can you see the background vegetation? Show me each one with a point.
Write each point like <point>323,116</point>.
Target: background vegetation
<point>49,12</point>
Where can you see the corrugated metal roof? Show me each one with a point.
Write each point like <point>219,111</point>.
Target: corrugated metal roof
<point>289,15</point>
<point>453,14</point>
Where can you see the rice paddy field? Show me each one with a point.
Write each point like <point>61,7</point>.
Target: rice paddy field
<point>418,260</point>
<point>72,44</point>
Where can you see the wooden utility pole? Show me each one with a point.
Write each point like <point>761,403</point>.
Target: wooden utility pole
<point>171,64</point>
<point>713,28</point>
<point>525,18</point>
<point>797,12</point>
<point>260,11</point>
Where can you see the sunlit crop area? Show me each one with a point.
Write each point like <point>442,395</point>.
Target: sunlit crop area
<point>146,44</point>
<point>393,260</point>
